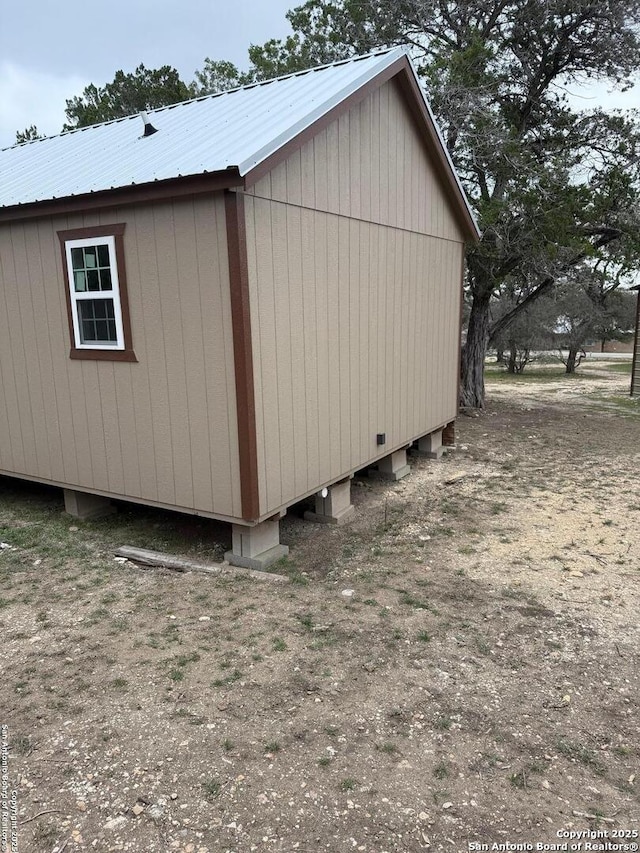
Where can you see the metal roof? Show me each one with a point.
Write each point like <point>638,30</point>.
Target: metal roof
<point>235,129</point>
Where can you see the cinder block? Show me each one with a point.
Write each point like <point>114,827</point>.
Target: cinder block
<point>256,547</point>
<point>392,467</point>
<point>336,508</point>
<point>85,506</point>
<point>430,445</point>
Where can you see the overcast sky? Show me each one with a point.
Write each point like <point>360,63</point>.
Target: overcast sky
<point>51,49</point>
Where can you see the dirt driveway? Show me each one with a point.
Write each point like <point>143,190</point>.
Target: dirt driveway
<point>479,686</point>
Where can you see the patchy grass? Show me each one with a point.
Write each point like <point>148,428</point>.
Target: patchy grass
<point>234,676</point>
<point>473,664</point>
<point>623,367</point>
<point>622,403</point>
<point>212,789</point>
<point>534,375</point>
<point>576,751</point>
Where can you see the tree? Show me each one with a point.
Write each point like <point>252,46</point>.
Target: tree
<point>551,186</point>
<point>530,332</point>
<point>588,306</point>
<point>618,320</point>
<point>577,319</point>
<point>219,76</point>
<point>295,53</point>
<point>127,94</point>
<point>28,134</point>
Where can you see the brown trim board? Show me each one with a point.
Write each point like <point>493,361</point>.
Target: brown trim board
<point>116,231</point>
<point>401,72</point>
<point>134,194</point>
<point>243,353</point>
<point>636,342</point>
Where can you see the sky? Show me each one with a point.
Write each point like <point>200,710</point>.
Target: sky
<point>51,49</point>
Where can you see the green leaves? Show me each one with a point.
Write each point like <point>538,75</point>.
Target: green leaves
<point>552,186</point>
<point>218,76</point>
<point>127,94</point>
<point>28,134</point>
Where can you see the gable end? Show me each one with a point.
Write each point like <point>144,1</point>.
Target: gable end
<point>402,75</point>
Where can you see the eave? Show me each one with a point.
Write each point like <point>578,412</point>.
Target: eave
<point>191,185</point>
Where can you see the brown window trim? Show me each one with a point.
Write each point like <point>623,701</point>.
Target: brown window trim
<point>116,231</point>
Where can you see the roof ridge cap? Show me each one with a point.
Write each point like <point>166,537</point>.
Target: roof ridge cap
<point>398,49</point>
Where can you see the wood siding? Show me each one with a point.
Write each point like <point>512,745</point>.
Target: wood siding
<point>161,430</point>
<point>355,265</point>
<point>370,164</point>
<point>357,334</point>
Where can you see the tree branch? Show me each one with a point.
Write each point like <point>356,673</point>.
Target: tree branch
<point>607,235</point>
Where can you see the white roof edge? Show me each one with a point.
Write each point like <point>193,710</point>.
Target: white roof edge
<point>388,57</point>
<point>445,150</point>
<point>382,52</point>
<point>225,133</point>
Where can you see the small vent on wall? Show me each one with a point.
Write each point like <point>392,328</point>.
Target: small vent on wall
<point>381,438</point>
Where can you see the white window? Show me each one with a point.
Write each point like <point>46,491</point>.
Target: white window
<point>95,293</point>
<point>93,261</point>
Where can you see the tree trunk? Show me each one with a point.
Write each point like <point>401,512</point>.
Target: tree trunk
<point>513,354</point>
<point>500,356</point>
<point>570,363</point>
<point>474,353</point>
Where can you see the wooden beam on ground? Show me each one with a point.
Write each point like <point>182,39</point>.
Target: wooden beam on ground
<point>181,564</point>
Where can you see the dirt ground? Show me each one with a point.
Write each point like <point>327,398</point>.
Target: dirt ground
<point>479,685</point>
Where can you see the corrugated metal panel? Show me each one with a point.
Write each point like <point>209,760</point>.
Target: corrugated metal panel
<point>238,128</point>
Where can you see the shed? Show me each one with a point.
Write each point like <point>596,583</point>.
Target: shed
<point>237,304</point>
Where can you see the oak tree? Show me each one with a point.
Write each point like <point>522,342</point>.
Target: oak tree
<point>552,186</point>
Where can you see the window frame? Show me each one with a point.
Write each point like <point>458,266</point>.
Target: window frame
<point>111,236</point>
